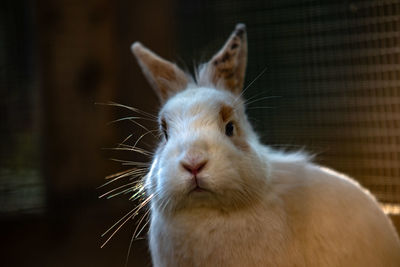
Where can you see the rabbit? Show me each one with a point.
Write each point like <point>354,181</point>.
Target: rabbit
<point>221,198</point>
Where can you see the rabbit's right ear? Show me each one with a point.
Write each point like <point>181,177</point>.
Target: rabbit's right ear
<point>228,67</point>
<point>165,77</point>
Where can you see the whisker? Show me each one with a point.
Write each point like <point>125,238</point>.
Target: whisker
<point>139,223</point>
<point>129,118</point>
<point>138,194</point>
<point>260,99</point>
<point>255,96</point>
<point>164,204</point>
<point>126,191</point>
<point>129,250</point>
<point>136,187</point>
<point>115,189</point>
<point>134,172</point>
<point>129,108</point>
<point>248,86</point>
<point>136,176</point>
<point>144,203</point>
<point>117,177</point>
<point>119,173</point>
<point>135,236</point>
<point>130,215</point>
<point>132,149</point>
<point>259,108</point>
<point>119,227</point>
<point>143,127</point>
<point>116,223</point>
<point>137,141</point>
<point>126,139</point>
<point>287,146</point>
<point>127,162</point>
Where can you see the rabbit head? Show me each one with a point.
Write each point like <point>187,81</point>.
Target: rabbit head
<point>209,154</point>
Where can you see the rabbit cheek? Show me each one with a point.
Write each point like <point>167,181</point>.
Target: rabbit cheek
<point>241,143</point>
<point>160,179</point>
<point>170,179</point>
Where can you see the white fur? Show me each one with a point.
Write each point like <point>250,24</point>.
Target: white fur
<point>265,208</point>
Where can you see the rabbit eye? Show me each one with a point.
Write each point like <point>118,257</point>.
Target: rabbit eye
<point>164,129</point>
<point>229,127</point>
<point>165,134</point>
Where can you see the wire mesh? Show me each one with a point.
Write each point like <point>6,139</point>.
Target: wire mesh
<point>334,68</point>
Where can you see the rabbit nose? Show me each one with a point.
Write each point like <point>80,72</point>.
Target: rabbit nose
<point>194,167</point>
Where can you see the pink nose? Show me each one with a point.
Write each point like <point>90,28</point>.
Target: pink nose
<point>194,167</point>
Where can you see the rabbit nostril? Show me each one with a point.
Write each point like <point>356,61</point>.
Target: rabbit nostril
<point>194,168</point>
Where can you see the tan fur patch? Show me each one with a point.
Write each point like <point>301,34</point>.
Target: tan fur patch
<point>228,66</point>
<point>226,112</point>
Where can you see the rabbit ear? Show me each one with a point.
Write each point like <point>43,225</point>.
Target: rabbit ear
<point>228,67</point>
<point>165,77</point>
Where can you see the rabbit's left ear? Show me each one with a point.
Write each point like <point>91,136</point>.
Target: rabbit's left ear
<point>227,68</point>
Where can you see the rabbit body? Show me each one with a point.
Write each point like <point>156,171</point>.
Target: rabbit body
<point>221,198</point>
<point>298,214</point>
<point>309,216</point>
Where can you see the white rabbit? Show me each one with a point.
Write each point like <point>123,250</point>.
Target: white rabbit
<point>221,198</point>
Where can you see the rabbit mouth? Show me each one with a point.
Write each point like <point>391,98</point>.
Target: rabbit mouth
<point>197,185</point>
<point>198,189</point>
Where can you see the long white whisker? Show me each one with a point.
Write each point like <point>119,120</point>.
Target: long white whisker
<point>138,194</point>
<point>127,162</point>
<point>119,227</point>
<point>117,222</point>
<point>135,163</point>
<point>130,119</point>
<point>134,172</point>
<point>134,236</point>
<point>143,127</point>
<point>137,141</point>
<point>129,250</point>
<point>257,77</point>
<point>118,174</point>
<point>255,96</point>
<point>136,233</point>
<point>126,191</point>
<point>126,139</point>
<point>115,189</point>
<point>132,149</point>
<point>259,108</point>
<point>130,215</point>
<point>260,99</point>
<point>130,108</point>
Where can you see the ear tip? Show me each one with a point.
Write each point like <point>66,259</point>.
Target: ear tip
<point>240,26</point>
<point>136,47</point>
<point>240,29</point>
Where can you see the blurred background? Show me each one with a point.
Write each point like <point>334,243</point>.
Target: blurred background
<point>332,67</point>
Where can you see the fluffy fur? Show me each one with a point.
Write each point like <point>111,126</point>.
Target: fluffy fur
<point>248,205</point>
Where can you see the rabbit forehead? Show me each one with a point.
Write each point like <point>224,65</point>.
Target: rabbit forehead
<point>197,101</point>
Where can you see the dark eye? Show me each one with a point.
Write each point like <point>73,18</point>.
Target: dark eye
<point>165,134</point>
<point>164,129</point>
<point>229,127</point>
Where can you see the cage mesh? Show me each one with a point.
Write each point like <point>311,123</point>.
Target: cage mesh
<point>331,83</point>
